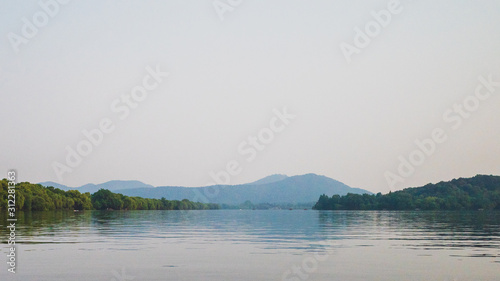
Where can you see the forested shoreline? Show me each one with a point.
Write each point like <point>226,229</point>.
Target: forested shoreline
<point>35,197</point>
<point>479,192</point>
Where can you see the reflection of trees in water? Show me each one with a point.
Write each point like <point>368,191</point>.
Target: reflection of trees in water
<point>482,221</point>
<point>465,229</point>
<point>32,226</point>
<point>425,229</point>
<point>282,229</point>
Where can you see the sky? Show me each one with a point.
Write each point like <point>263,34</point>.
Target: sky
<point>379,95</point>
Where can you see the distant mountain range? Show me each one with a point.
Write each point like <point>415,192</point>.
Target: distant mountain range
<point>269,179</point>
<point>273,189</point>
<point>110,185</point>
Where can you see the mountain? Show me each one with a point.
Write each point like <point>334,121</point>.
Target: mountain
<point>39,198</point>
<point>110,185</point>
<point>269,179</point>
<point>113,186</point>
<point>481,192</point>
<point>297,189</point>
<point>56,185</point>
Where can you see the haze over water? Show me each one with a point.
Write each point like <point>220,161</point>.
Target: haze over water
<point>257,245</point>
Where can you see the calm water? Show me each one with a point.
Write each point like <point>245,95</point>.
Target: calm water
<point>256,245</point>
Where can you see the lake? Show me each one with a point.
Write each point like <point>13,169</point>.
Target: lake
<point>255,245</point>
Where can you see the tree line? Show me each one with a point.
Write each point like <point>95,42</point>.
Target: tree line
<point>479,192</point>
<point>35,197</point>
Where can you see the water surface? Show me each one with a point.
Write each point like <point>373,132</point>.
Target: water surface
<point>256,245</point>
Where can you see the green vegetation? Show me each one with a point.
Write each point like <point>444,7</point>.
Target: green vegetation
<point>105,199</point>
<point>34,197</point>
<point>479,192</point>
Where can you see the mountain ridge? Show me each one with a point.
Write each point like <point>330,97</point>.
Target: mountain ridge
<point>109,185</point>
<point>295,189</point>
<point>271,189</point>
<point>268,179</point>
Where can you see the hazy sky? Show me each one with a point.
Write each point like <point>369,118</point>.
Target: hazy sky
<point>230,70</point>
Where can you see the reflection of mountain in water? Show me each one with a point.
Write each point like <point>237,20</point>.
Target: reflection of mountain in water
<point>477,233</point>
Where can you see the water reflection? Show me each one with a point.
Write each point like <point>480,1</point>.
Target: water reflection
<point>467,230</point>
<point>476,234</point>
